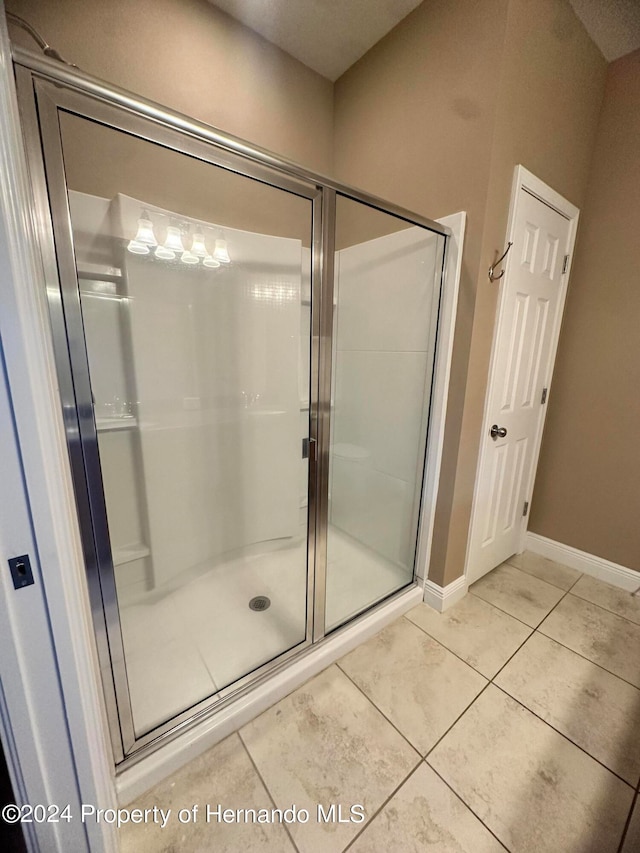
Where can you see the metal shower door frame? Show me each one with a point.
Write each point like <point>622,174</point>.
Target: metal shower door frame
<point>44,88</point>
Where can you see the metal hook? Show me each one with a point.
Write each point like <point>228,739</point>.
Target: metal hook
<point>49,51</point>
<point>493,277</point>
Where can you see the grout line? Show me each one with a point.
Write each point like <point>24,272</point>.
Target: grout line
<point>370,700</point>
<point>381,807</point>
<point>259,774</point>
<point>511,657</point>
<point>554,607</point>
<point>575,582</point>
<point>539,629</point>
<point>627,823</point>
<point>565,736</point>
<point>466,805</point>
<point>506,613</point>
<point>489,682</point>
<point>606,609</point>
<point>457,719</point>
<point>455,654</point>
<point>584,657</point>
<point>531,575</point>
<point>533,627</point>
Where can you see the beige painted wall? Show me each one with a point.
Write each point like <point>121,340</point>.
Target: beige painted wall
<point>588,485</point>
<point>189,56</point>
<point>549,102</point>
<point>436,117</point>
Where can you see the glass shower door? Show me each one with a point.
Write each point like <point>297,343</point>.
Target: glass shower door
<point>247,448</point>
<point>186,292</point>
<point>388,273</point>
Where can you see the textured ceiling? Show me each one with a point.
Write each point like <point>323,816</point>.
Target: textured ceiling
<point>614,25</point>
<point>330,35</point>
<point>327,35</point>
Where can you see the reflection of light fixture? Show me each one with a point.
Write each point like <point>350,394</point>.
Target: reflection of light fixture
<point>189,258</point>
<point>176,242</point>
<point>220,252</point>
<point>172,245</point>
<point>198,247</point>
<point>144,236</point>
<point>164,254</point>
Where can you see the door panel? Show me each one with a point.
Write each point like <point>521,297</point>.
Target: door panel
<point>522,367</point>
<point>185,292</point>
<point>386,300</point>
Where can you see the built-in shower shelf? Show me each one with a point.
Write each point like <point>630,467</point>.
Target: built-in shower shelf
<point>111,424</point>
<point>129,553</point>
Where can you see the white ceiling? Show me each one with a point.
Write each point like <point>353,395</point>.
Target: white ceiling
<point>327,35</point>
<point>614,25</point>
<point>330,35</point>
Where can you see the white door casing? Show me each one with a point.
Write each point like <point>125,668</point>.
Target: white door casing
<point>542,227</point>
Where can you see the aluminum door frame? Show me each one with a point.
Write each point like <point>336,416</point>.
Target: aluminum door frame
<point>44,87</point>
<point>46,164</point>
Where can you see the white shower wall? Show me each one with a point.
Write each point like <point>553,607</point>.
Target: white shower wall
<point>213,370</point>
<point>386,314</point>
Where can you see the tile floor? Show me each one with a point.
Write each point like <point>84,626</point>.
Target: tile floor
<point>512,721</point>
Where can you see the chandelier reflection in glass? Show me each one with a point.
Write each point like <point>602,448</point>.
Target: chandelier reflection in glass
<point>174,244</point>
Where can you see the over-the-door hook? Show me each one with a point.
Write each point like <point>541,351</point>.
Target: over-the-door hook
<point>493,277</point>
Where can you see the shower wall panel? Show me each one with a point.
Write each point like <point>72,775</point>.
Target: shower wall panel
<point>385,297</point>
<point>217,419</point>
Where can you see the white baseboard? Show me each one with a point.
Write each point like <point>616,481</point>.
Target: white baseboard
<point>138,778</point>
<point>597,567</point>
<point>441,598</point>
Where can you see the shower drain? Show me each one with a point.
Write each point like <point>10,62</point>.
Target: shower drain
<point>260,602</point>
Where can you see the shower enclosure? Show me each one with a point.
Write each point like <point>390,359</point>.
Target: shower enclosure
<point>245,353</point>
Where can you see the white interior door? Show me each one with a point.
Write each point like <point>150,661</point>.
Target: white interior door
<point>530,310</point>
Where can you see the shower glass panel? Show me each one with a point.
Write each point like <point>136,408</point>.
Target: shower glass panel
<point>194,288</point>
<point>386,298</point>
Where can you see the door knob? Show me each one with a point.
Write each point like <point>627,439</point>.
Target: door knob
<point>497,432</point>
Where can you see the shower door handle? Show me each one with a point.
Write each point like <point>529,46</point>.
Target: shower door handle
<point>309,450</point>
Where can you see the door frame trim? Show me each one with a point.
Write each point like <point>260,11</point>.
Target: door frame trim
<point>523,180</point>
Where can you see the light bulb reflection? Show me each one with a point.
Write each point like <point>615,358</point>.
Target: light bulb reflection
<point>198,247</point>
<point>221,252</point>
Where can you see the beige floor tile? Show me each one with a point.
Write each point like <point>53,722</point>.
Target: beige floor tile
<point>533,788</point>
<point>222,775</point>
<point>476,631</point>
<point>594,709</point>
<point>597,634</point>
<point>324,744</point>
<point>426,815</point>
<point>545,569</point>
<point>610,597</point>
<point>632,838</point>
<point>518,593</point>
<point>416,683</point>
